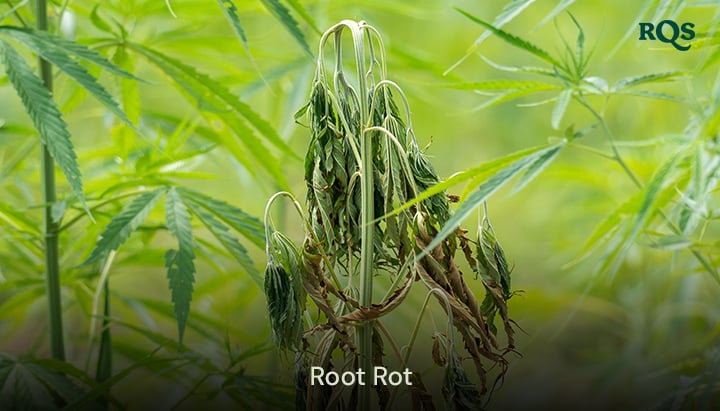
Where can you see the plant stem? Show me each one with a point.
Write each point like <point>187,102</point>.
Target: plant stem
<point>52,255</point>
<point>367,217</point>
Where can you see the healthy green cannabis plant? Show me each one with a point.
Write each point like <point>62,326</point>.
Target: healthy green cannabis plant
<point>136,158</point>
<point>363,161</point>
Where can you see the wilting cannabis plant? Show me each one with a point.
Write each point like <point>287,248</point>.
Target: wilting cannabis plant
<point>363,161</point>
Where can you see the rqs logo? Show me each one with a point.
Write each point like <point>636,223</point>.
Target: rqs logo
<point>649,31</point>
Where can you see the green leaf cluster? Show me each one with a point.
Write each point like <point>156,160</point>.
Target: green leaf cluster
<point>180,205</point>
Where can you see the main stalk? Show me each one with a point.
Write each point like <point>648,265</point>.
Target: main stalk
<point>367,217</point>
<point>52,228</point>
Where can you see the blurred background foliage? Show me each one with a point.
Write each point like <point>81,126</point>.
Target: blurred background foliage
<point>646,336</point>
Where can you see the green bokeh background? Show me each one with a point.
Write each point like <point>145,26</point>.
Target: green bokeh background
<point>589,342</point>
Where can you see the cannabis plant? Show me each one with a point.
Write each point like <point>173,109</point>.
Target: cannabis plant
<point>139,161</point>
<point>362,163</point>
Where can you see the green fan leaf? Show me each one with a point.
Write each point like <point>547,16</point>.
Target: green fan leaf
<point>652,94</point>
<point>180,265</point>
<point>470,174</point>
<point>663,77</point>
<point>45,115</point>
<point>68,47</point>
<point>21,390</point>
<point>486,189</point>
<point>27,384</point>
<point>291,25</point>
<point>59,384</point>
<point>657,188</point>
<point>124,224</point>
<point>229,241</point>
<point>101,389</point>
<point>250,227</point>
<point>610,223</point>
<point>651,194</point>
<point>210,94</point>
<point>215,97</point>
<point>72,68</point>
<point>509,12</point>
<point>513,40</point>
<point>536,168</point>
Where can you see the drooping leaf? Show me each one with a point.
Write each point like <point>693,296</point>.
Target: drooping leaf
<point>291,25</point>
<point>459,392</point>
<point>180,265</point>
<point>124,224</point>
<point>513,40</point>
<point>277,289</point>
<point>45,116</point>
<point>485,190</point>
<point>72,68</point>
